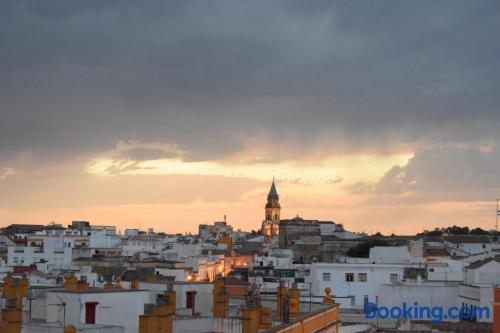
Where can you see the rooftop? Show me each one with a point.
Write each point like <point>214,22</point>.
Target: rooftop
<point>483,262</point>
<point>467,239</point>
<point>99,291</point>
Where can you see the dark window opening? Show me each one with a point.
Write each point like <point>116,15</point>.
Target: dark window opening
<point>90,312</point>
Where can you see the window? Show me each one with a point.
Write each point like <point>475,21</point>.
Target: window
<point>393,278</point>
<point>362,277</point>
<point>349,277</point>
<point>326,276</point>
<point>431,270</point>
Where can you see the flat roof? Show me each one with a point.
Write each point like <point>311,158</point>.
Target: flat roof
<point>177,282</point>
<point>99,291</point>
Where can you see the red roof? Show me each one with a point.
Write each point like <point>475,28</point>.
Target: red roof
<point>21,269</point>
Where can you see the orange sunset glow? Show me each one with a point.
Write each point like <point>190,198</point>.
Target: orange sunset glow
<point>249,166</point>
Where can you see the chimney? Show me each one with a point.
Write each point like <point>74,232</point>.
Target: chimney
<point>158,318</point>
<point>281,295</point>
<point>14,290</point>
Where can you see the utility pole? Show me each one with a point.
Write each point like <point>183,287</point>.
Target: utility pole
<point>496,222</point>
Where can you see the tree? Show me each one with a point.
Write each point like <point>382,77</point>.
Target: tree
<point>435,233</point>
<point>479,231</point>
<point>456,230</point>
<point>362,250</point>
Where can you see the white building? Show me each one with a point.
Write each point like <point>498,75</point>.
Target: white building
<point>103,240</point>
<point>81,328</point>
<point>443,269</point>
<point>480,280</point>
<point>353,285</point>
<point>179,272</point>
<point>131,232</point>
<point>423,293</point>
<point>467,245</point>
<point>203,297</point>
<point>142,243</point>
<point>187,247</point>
<point>393,255</point>
<point>84,273</point>
<point>207,268</point>
<point>50,257</point>
<point>277,262</point>
<point>116,307</point>
<point>106,229</point>
<point>41,279</point>
<point>4,269</point>
<point>486,271</point>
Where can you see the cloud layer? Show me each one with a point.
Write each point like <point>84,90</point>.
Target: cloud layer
<point>266,83</point>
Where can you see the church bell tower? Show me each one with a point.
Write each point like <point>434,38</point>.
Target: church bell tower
<point>270,225</point>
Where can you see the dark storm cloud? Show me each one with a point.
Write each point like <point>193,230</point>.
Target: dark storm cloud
<point>450,169</point>
<point>450,173</point>
<point>75,78</point>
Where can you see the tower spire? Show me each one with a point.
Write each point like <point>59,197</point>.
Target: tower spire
<point>270,225</point>
<point>273,194</point>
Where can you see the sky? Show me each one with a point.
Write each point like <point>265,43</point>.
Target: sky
<point>380,115</point>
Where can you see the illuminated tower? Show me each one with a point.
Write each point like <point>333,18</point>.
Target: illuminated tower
<point>273,205</point>
<point>270,225</point>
